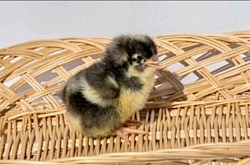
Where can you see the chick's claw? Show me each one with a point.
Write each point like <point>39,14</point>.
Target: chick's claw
<point>123,131</point>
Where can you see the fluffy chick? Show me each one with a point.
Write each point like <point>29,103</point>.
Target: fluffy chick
<point>101,98</point>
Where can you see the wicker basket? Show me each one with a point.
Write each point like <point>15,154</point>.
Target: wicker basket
<point>198,112</point>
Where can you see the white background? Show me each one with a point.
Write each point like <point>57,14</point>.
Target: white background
<point>25,21</point>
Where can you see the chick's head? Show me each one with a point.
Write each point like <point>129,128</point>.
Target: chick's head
<point>132,50</point>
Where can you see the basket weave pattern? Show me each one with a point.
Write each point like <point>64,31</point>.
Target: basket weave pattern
<point>198,110</point>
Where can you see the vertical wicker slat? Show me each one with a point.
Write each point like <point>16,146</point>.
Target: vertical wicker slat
<point>198,112</point>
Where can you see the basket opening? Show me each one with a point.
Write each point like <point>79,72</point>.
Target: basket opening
<point>12,81</point>
<point>219,66</point>
<point>46,76</point>
<point>73,64</point>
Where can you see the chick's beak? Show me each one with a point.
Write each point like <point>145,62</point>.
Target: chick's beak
<point>154,63</point>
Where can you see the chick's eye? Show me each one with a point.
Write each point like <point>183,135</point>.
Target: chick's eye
<point>140,59</point>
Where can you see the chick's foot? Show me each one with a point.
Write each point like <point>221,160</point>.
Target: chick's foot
<point>123,131</point>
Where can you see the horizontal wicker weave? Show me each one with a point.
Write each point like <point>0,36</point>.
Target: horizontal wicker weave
<point>198,112</point>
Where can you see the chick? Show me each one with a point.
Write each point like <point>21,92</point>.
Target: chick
<point>103,97</point>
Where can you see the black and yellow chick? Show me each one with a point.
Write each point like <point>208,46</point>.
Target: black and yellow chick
<point>101,98</point>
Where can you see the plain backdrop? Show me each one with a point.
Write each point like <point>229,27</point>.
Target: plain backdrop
<point>33,20</point>
<point>25,21</point>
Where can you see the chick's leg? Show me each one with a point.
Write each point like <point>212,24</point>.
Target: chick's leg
<point>123,131</point>
<point>131,122</point>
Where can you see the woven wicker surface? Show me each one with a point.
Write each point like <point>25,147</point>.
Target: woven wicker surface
<point>198,112</point>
